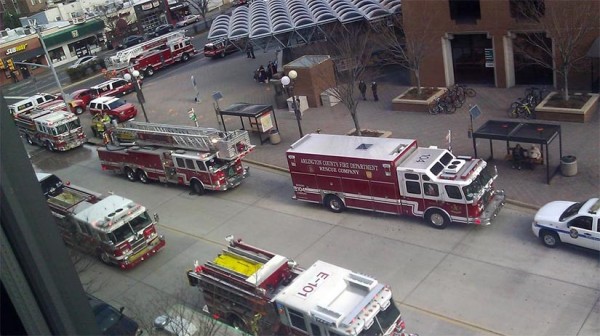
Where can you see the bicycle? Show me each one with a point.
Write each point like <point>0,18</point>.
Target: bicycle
<point>535,95</point>
<point>455,96</point>
<point>467,91</point>
<point>440,105</point>
<point>522,108</point>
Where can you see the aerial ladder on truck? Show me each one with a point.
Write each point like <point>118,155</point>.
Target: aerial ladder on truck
<point>121,58</point>
<point>229,145</point>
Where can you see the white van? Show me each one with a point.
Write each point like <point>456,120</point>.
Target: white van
<point>29,103</point>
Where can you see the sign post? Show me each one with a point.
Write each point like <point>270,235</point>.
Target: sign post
<point>474,113</point>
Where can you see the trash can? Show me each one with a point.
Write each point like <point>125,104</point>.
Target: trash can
<point>568,165</point>
<point>274,137</point>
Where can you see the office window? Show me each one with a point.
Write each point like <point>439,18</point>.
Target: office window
<point>529,10</point>
<point>464,11</point>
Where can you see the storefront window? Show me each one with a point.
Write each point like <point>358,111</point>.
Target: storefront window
<point>57,54</point>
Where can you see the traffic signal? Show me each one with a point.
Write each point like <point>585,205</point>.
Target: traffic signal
<point>11,65</point>
<point>1,64</point>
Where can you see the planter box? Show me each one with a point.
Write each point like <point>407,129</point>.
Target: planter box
<point>371,133</point>
<point>581,115</point>
<point>414,105</point>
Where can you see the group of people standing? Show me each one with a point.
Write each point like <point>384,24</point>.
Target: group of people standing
<point>362,87</point>
<point>263,75</point>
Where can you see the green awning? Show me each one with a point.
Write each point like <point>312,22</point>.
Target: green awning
<point>74,32</point>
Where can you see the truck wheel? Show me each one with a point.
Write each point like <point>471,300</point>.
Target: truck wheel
<point>334,203</point>
<point>78,110</point>
<point>104,258</point>
<point>149,72</point>
<point>49,146</point>
<point>236,322</point>
<point>437,219</point>
<point>185,57</point>
<point>198,188</point>
<point>549,238</point>
<point>142,176</point>
<point>131,176</point>
<point>222,54</point>
<point>28,139</point>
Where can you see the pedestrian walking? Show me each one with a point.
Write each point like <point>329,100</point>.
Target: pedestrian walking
<point>363,89</point>
<point>249,51</point>
<point>374,89</point>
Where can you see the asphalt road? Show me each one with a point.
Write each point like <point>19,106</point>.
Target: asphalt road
<point>464,280</point>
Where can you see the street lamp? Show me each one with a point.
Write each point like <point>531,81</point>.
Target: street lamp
<point>288,85</point>
<point>137,88</point>
<point>33,24</point>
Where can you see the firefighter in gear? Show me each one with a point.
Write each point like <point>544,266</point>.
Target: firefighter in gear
<point>99,124</point>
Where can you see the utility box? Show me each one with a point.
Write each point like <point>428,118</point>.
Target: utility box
<point>328,99</point>
<point>302,104</point>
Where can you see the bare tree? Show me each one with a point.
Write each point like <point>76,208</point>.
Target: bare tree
<point>202,7</point>
<point>85,268</point>
<point>350,47</point>
<point>173,314</point>
<point>568,25</point>
<point>118,23</point>
<point>407,46</point>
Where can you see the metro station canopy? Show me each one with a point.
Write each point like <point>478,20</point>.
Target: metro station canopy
<point>286,20</point>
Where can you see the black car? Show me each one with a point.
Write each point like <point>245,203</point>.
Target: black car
<point>51,184</point>
<point>130,41</point>
<point>163,29</point>
<point>112,321</point>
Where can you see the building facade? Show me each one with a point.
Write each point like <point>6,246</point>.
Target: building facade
<point>64,45</point>
<point>475,42</point>
<point>151,14</point>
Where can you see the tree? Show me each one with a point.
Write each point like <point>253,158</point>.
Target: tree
<point>568,25</point>
<point>177,315</point>
<point>11,20</point>
<point>407,46</point>
<point>350,47</point>
<point>202,7</point>
<point>118,23</point>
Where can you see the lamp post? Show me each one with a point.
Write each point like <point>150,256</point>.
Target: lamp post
<point>138,89</point>
<point>288,85</point>
<point>38,30</point>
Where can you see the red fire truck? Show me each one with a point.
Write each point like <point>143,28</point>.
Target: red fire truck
<point>56,130</point>
<point>202,158</point>
<point>393,176</point>
<point>115,229</point>
<point>149,56</point>
<point>264,293</point>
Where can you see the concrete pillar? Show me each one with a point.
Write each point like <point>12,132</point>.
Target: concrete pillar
<point>447,57</point>
<point>509,61</point>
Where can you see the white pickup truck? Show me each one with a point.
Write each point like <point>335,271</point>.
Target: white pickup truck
<point>576,223</point>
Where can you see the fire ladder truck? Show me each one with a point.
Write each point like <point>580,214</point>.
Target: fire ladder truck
<point>202,158</point>
<point>264,293</point>
<point>177,45</point>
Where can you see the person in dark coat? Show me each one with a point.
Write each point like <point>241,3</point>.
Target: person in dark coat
<point>249,51</point>
<point>269,72</point>
<point>262,74</point>
<point>362,87</point>
<point>271,69</point>
<point>518,156</point>
<point>374,89</point>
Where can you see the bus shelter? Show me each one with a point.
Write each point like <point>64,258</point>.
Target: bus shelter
<point>524,132</point>
<point>260,118</point>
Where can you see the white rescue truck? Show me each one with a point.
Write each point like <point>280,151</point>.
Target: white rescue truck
<point>264,293</point>
<point>393,176</point>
